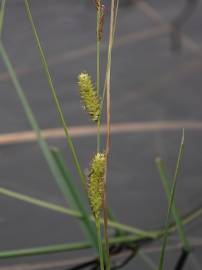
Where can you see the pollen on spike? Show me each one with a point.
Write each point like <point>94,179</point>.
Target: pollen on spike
<point>89,97</point>
<point>96,183</point>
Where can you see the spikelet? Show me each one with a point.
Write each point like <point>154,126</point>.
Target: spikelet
<point>96,184</point>
<point>100,8</point>
<point>89,97</point>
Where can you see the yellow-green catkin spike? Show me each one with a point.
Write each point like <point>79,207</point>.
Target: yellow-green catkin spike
<point>89,97</point>
<point>96,195</point>
<point>96,184</point>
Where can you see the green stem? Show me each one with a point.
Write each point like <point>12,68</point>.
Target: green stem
<point>31,119</point>
<point>113,224</point>
<point>175,211</point>
<point>60,248</point>
<point>74,213</point>
<point>171,200</point>
<point>40,203</point>
<point>74,197</point>
<point>44,250</point>
<point>54,95</point>
<point>2,13</point>
<point>147,260</point>
<point>101,255</point>
<point>57,174</point>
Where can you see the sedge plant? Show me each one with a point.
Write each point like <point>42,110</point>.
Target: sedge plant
<point>95,184</point>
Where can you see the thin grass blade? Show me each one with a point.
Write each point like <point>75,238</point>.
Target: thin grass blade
<point>40,203</point>
<point>175,212</point>
<point>50,249</point>
<point>54,95</point>
<point>73,197</point>
<point>2,13</point>
<point>171,200</point>
<point>53,166</point>
<point>148,260</point>
<point>74,213</point>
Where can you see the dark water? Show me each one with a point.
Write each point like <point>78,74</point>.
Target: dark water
<point>150,83</point>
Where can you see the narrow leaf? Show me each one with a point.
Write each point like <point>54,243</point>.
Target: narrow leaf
<point>54,95</point>
<point>53,166</point>
<point>171,199</point>
<point>2,13</point>
<point>73,196</point>
<point>175,212</point>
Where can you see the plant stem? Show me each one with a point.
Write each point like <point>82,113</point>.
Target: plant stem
<point>60,248</point>
<point>113,224</point>
<point>109,60</point>
<point>54,169</point>
<point>99,237</point>
<point>76,214</point>
<point>74,197</point>
<point>147,260</point>
<point>107,151</point>
<point>98,71</point>
<point>40,203</point>
<point>171,200</point>
<point>175,212</point>
<point>2,12</point>
<point>54,95</point>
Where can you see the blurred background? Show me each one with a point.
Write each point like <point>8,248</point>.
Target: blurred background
<point>156,91</point>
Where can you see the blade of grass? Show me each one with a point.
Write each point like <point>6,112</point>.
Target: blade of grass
<point>44,250</point>
<point>113,218</point>
<point>40,203</point>
<point>171,200</point>
<point>54,95</point>
<point>5,254</point>
<point>73,196</point>
<point>74,213</point>
<point>143,256</point>
<point>175,212</point>
<point>147,260</point>
<point>31,119</point>
<point>113,224</point>
<point>59,177</point>
<point>2,13</point>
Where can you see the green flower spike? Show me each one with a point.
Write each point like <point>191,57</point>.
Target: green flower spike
<point>89,97</point>
<point>96,184</point>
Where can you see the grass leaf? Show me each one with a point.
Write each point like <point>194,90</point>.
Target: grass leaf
<point>175,212</point>
<point>2,13</point>
<point>74,213</point>
<point>171,200</point>
<point>73,197</point>
<point>53,166</point>
<point>54,95</point>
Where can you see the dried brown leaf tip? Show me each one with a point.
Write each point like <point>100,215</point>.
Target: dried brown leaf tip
<point>89,97</point>
<point>96,183</point>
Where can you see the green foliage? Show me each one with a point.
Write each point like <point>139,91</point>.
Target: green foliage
<point>95,190</point>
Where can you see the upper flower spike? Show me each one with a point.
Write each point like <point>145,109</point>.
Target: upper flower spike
<point>89,97</point>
